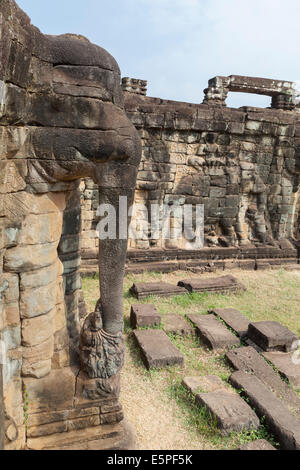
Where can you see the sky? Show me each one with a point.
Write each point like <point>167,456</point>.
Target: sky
<point>178,45</point>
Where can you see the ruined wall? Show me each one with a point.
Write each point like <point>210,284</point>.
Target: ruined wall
<point>242,164</point>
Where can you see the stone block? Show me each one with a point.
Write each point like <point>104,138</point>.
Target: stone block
<point>30,258</point>
<point>273,336</point>
<point>248,360</point>
<point>40,229</point>
<point>282,423</point>
<point>234,319</point>
<point>41,277</point>
<point>205,384</point>
<point>224,284</point>
<point>287,364</point>
<point>38,370</point>
<point>260,444</point>
<point>56,391</point>
<point>157,350</point>
<point>160,289</point>
<point>39,301</point>
<point>37,330</point>
<point>230,411</point>
<point>176,325</point>
<point>144,316</point>
<point>212,333</point>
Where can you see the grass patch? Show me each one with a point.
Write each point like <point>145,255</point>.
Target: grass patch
<point>271,295</point>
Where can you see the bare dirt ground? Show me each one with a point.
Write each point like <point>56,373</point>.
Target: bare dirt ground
<point>161,411</point>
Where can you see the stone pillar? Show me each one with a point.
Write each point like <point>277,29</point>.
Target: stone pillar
<point>284,101</point>
<point>217,91</point>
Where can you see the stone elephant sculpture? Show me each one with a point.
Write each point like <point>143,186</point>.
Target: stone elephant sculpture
<point>62,118</point>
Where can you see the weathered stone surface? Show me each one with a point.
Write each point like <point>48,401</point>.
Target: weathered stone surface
<point>175,324</point>
<point>229,410</point>
<point>144,315</point>
<point>40,229</point>
<point>41,277</point>
<point>157,350</point>
<point>224,284</point>
<point>248,360</point>
<point>284,425</point>
<point>38,330</point>
<point>39,301</point>
<point>287,365</point>
<point>29,258</point>
<point>104,437</point>
<point>234,319</point>
<point>273,336</point>
<point>38,370</point>
<point>40,419</point>
<point>260,444</point>
<point>213,333</point>
<point>160,289</point>
<point>205,384</point>
<point>253,345</point>
<point>54,392</point>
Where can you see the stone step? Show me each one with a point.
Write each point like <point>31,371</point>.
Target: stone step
<point>160,289</point>
<point>157,350</point>
<point>212,333</point>
<point>175,324</point>
<point>260,444</point>
<point>234,319</point>
<point>286,263</point>
<point>282,423</point>
<point>144,316</point>
<point>273,336</point>
<point>206,384</point>
<point>287,364</point>
<point>223,284</point>
<point>246,359</point>
<point>76,438</point>
<point>231,412</point>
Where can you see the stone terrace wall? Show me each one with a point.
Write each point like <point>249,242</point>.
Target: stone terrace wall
<point>242,164</point>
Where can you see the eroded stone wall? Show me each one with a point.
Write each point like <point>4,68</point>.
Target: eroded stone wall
<point>242,164</point>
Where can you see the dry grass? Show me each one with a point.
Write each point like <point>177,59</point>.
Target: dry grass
<point>164,414</point>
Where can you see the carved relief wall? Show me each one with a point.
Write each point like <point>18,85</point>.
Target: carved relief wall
<point>61,120</point>
<point>242,164</point>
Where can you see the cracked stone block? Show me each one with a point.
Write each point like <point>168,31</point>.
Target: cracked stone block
<point>160,289</point>
<point>234,319</point>
<point>250,361</point>
<point>288,365</point>
<point>273,336</point>
<point>157,350</point>
<point>212,333</point>
<point>230,411</point>
<point>144,315</point>
<point>260,444</point>
<point>223,284</point>
<point>176,325</point>
<point>281,421</point>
